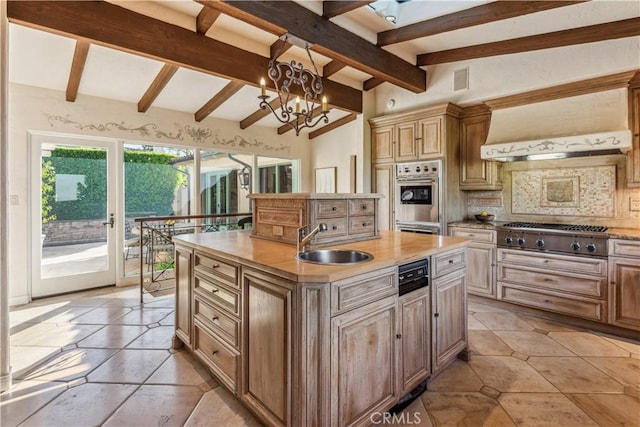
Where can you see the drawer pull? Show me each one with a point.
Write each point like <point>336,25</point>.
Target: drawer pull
<point>436,314</point>
<point>364,224</point>
<point>333,208</point>
<point>450,261</point>
<point>214,290</point>
<point>472,235</point>
<point>335,227</point>
<point>213,353</point>
<point>398,336</point>
<point>214,318</point>
<point>215,266</point>
<point>364,207</point>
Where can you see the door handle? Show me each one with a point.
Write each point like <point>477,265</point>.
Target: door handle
<point>111,221</point>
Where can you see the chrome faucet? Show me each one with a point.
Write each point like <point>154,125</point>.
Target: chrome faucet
<point>304,238</point>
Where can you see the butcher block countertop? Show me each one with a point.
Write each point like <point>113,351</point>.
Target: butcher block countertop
<point>392,248</point>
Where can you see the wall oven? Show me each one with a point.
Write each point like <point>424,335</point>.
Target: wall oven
<point>417,197</point>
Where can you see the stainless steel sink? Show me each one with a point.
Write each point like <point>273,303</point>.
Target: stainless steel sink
<point>334,256</point>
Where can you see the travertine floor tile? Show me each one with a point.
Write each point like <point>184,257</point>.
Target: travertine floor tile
<point>544,410</point>
<point>464,409</point>
<point>218,407</point>
<point>414,415</point>
<point>157,405</point>
<point>532,343</point>
<point>475,324</point>
<point>627,344</point>
<point>508,374</point>
<point>457,377</point>
<point>28,312</point>
<point>486,343</point>
<point>33,333</point>
<point>25,398</point>
<point>101,315</point>
<point>129,366</point>
<point>625,370</point>
<point>128,302</point>
<point>180,369</point>
<point>61,314</point>
<point>113,336</point>
<point>588,344</point>
<point>503,322</point>
<point>144,316</point>
<point>159,337</point>
<point>574,375</point>
<point>545,324</point>
<point>71,364</point>
<point>84,405</point>
<point>478,307</point>
<point>23,359</point>
<point>64,335</point>
<point>610,409</point>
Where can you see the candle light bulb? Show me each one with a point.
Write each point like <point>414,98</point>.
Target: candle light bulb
<point>297,104</point>
<point>324,104</point>
<point>263,90</point>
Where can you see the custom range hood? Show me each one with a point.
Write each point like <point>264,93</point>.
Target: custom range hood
<point>585,125</point>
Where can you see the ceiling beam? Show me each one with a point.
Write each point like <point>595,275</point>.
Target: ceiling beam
<point>333,125</point>
<point>331,9</point>
<point>287,127</point>
<point>489,12</point>
<point>77,67</point>
<point>332,67</point>
<point>574,36</point>
<point>327,38</point>
<point>259,114</point>
<point>278,48</point>
<point>106,24</point>
<point>161,80</point>
<point>372,83</point>
<point>218,99</point>
<point>205,20</point>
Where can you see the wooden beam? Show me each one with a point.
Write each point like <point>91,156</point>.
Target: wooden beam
<point>582,87</point>
<point>278,48</point>
<point>333,125</point>
<point>77,67</point>
<point>332,67</point>
<point>372,83</point>
<point>286,127</point>
<point>331,9</point>
<point>590,34</point>
<point>106,24</point>
<point>205,20</point>
<point>489,12</point>
<point>328,39</point>
<point>227,92</point>
<point>161,80</point>
<point>259,114</point>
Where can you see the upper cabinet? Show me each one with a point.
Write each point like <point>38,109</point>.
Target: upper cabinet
<point>633,157</point>
<point>476,173</point>
<point>416,135</point>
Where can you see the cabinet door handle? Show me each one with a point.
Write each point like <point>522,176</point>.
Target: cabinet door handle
<point>215,266</point>
<point>214,318</point>
<point>214,290</point>
<point>398,336</point>
<point>333,208</point>
<point>364,224</point>
<point>472,235</point>
<point>213,353</point>
<point>436,314</point>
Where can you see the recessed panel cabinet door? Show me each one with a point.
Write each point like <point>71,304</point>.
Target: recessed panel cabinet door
<point>449,322</point>
<point>624,292</point>
<point>415,358</point>
<point>382,144</point>
<point>183,294</point>
<point>363,362</point>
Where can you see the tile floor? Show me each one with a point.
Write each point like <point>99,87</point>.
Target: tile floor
<point>101,358</point>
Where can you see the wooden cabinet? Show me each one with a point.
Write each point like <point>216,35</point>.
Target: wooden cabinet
<point>624,283</point>
<point>476,173</point>
<point>268,351</point>
<point>383,183</point>
<point>363,362</point>
<point>183,271</point>
<point>448,309</point>
<point>633,157</point>
<point>571,285</point>
<point>481,260</point>
<point>416,135</point>
<point>415,342</point>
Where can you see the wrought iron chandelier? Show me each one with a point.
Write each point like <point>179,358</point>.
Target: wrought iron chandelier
<point>306,111</point>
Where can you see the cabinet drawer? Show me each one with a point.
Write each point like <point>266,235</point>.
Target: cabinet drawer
<point>216,268</point>
<point>561,263</point>
<point>218,295</point>
<point>347,294</point>
<point>571,283</point>
<point>222,360</point>
<point>218,321</point>
<point>626,248</point>
<point>573,306</point>
<point>335,227</point>
<point>331,208</point>
<point>447,262</point>
<point>361,225</point>
<point>361,207</point>
<point>475,234</point>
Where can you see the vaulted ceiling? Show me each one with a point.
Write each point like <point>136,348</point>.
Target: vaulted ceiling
<point>207,57</point>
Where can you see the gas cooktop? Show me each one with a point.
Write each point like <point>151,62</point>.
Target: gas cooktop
<point>582,228</point>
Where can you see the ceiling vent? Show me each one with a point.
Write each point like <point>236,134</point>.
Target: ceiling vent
<point>461,79</point>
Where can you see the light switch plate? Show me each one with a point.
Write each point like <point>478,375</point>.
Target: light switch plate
<point>278,230</point>
<point>634,204</point>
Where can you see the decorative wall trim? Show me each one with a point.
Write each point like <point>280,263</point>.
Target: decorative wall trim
<point>197,135</point>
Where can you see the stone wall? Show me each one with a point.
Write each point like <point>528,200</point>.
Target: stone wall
<point>74,231</point>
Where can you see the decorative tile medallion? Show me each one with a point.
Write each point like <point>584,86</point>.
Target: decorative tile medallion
<point>560,192</point>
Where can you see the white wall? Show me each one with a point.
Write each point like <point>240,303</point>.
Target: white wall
<point>44,110</point>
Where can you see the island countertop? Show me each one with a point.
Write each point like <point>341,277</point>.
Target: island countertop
<point>392,248</point>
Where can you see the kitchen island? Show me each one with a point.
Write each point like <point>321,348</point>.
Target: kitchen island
<point>310,344</point>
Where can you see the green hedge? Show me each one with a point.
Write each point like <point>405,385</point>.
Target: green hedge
<point>150,183</point>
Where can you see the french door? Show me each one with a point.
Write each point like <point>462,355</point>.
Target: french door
<point>74,214</point>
